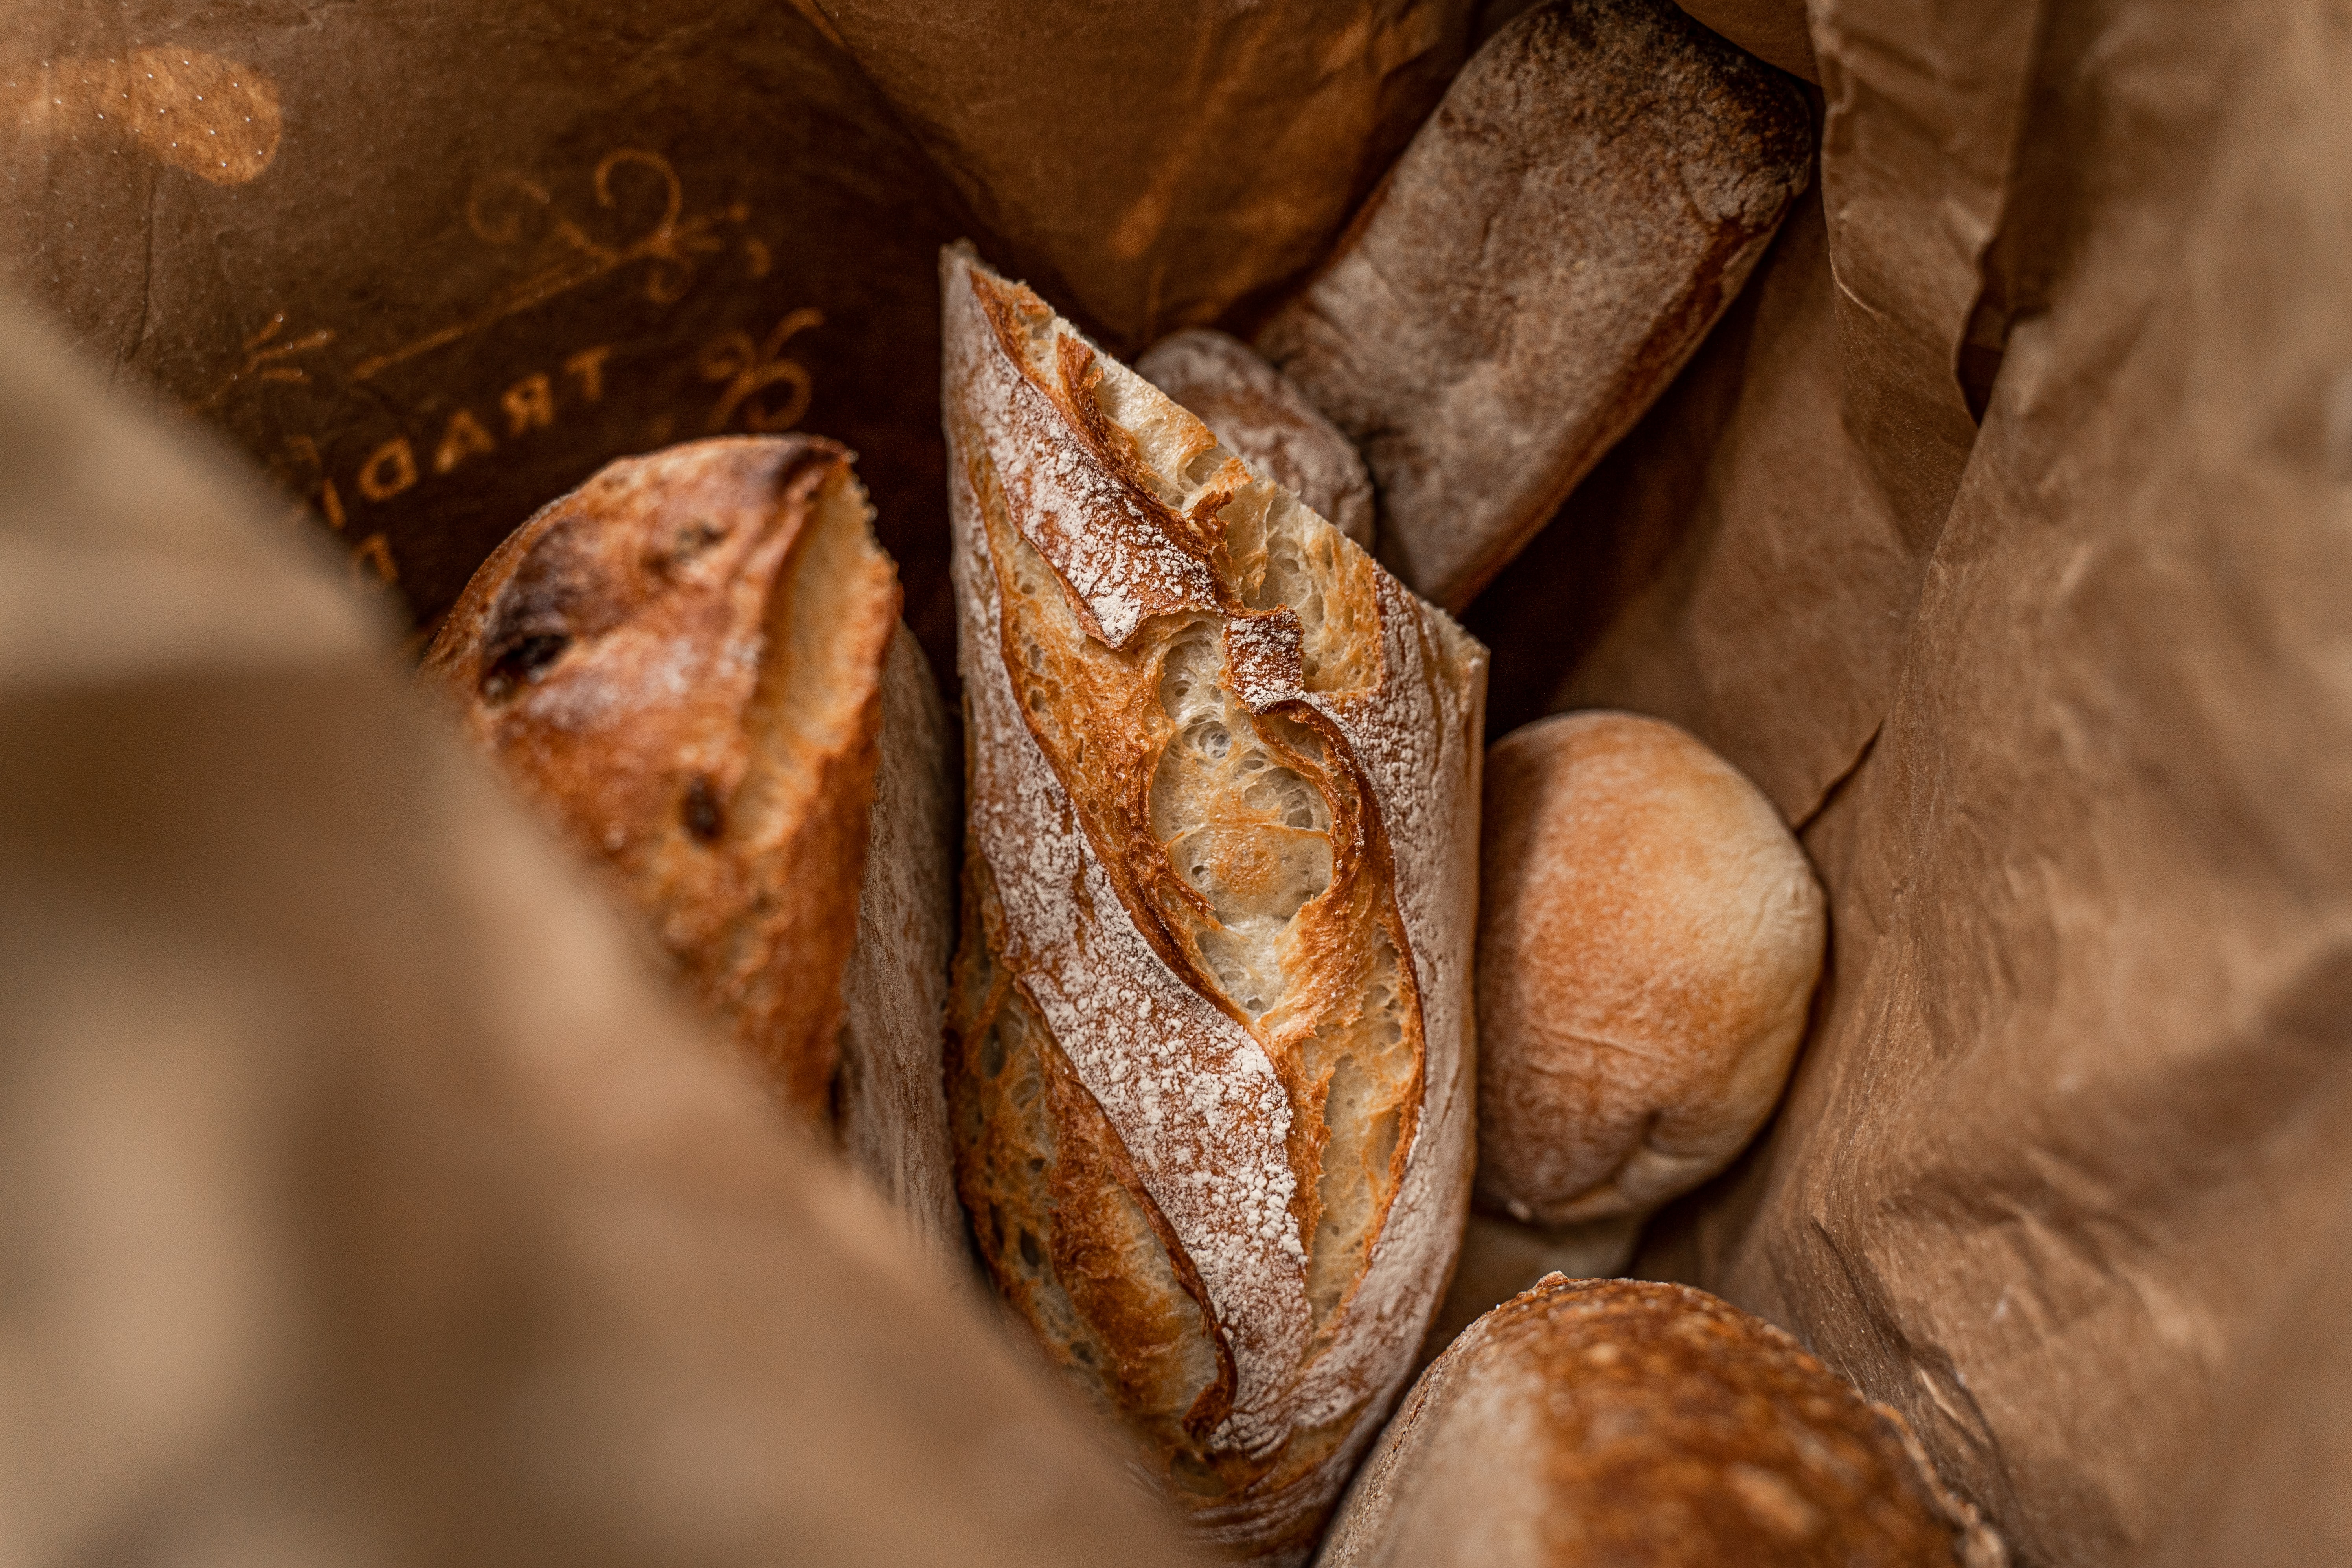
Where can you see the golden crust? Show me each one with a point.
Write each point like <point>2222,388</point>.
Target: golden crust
<point>1595,1422</point>
<point>1650,934</point>
<point>680,662</point>
<point>1209,1054</point>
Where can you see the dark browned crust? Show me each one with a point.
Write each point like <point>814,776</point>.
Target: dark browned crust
<point>624,657</point>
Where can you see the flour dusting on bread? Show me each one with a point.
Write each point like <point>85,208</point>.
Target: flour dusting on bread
<point>1211,1023</point>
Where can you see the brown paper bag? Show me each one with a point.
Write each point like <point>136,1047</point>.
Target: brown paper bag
<point>1996,532</point>
<point>461,260</point>
<point>369,1202</point>
<point>2062,1173</point>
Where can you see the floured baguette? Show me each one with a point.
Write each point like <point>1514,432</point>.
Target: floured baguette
<point>1256,412</point>
<point>1591,1424</point>
<point>1211,1056</point>
<point>692,664</point>
<point>1553,245</point>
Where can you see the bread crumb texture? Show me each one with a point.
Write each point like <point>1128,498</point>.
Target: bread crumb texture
<point>1210,1034</point>
<point>680,663</point>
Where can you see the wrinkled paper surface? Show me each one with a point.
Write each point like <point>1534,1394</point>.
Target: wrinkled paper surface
<point>2000,532</point>
<point>369,1201</point>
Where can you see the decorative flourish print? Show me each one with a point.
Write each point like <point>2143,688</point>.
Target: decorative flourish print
<point>507,208</point>
<point>749,369</point>
<point>760,390</point>
<point>267,359</point>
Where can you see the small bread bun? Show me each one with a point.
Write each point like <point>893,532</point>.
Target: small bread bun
<point>1623,1421</point>
<point>1649,937</point>
<point>1255,410</point>
<point>693,664</point>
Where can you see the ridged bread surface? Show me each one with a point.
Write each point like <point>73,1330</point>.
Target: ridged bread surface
<point>1211,1056</point>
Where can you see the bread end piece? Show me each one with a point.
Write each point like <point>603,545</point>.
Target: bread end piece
<point>1255,409</point>
<point>680,663</point>
<point>1554,244</point>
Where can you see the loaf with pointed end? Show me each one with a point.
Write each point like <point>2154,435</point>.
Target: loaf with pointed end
<point>1592,1424</point>
<point>890,1101</point>
<point>687,664</point>
<point>1553,245</point>
<point>1254,409</point>
<point>1210,1054</point>
<point>1650,933</point>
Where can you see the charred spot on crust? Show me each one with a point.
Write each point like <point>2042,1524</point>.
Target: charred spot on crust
<point>701,812</point>
<point>525,658</point>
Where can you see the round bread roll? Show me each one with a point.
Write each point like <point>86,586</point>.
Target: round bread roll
<point>1591,1422</point>
<point>1649,937</point>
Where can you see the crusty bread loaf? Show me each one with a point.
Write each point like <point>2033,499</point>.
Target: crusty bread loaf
<point>1266,421</point>
<point>890,1101</point>
<point>1649,938</point>
<point>1592,1424</point>
<point>1210,1068</point>
<point>1553,245</point>
<point>683,663</point>
<point>1502,1257</point>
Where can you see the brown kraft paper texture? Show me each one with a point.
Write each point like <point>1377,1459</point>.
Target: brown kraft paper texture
<point>2019,486</point>
<point>1999,531</point>
<point>370,1201</point>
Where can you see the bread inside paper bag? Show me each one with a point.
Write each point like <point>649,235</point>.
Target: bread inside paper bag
<point>1995,532</point>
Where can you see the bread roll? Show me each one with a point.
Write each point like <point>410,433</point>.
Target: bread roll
<point>1211,1048</point>
<point>1553,245</point>
<point>1649,938</point>
<point>692,664</point>
<point>1591,1423</point>
<point>1266,421</point>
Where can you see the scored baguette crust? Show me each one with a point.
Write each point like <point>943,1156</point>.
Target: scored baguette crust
<point>681,663</point>
<point>1555,242</point>
<point>1255,410</point>
<point>1210,1054</point>
<point>1587,1423</point>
